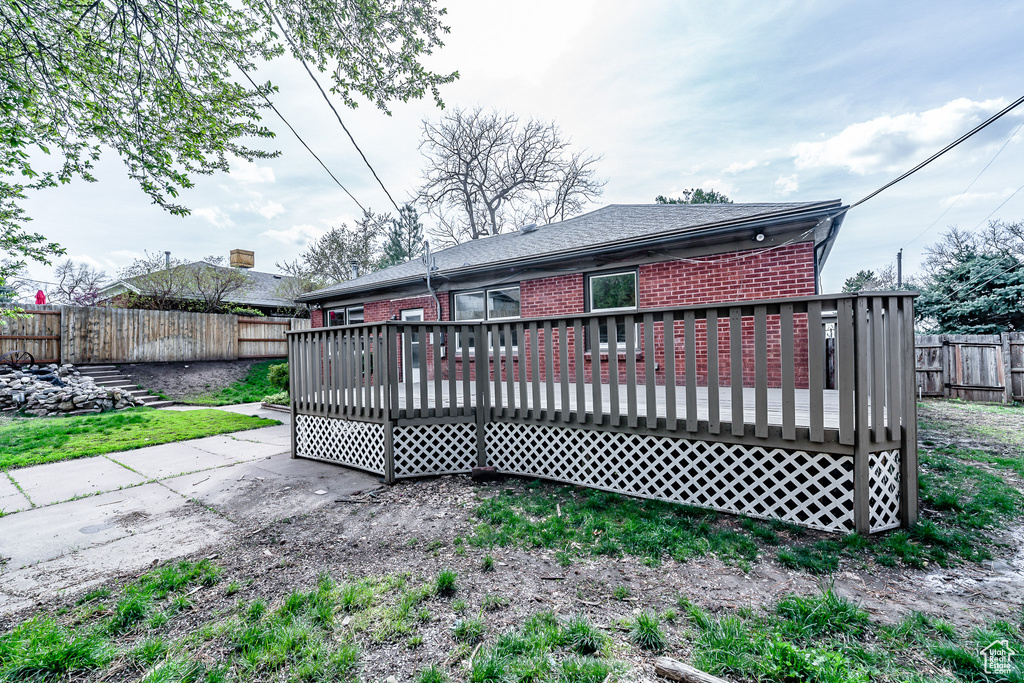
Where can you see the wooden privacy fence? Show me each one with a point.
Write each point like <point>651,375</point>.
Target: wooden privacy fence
<point>721,406</point>
<point>972,367</point>
<point>98,335</point>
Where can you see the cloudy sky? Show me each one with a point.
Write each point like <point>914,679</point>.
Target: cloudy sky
<point>782,101</point>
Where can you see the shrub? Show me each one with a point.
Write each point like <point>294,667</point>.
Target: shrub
<point>280,398</point>
<point>277,375</point>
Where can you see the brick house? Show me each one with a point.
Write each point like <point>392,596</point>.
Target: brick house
<point>623,259</point>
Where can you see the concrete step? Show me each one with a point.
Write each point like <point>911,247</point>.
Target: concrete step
<point>93,369</point>
<point>104,375</point>
<point>115,382</point>
<point>159,403</point>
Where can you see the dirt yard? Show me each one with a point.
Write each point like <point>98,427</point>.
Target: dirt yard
<point>179,381</point>
<point>415,530</point>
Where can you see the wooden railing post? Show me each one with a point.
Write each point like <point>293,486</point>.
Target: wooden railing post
<point>862,431</point>
<point>293,371</point>
<point>481,378</point>
<point>390,402</point>
<point>908,440</point>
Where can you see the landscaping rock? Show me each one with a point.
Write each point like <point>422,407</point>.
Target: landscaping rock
<point>48,390</point>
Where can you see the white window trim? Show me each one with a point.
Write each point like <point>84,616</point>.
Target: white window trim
<point>599,276</point>
<point>486,320</point>
<point>348,313</point>
<point>620,347</point>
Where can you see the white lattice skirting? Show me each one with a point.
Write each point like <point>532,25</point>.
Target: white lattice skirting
<point>884,486</point>
<point>810,489</point>
<point>346,442</point>
<point>434,449</point>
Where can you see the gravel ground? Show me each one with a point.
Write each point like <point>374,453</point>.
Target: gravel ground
<point>411,528</point>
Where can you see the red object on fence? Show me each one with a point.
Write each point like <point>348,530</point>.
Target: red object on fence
<point>40,297</point>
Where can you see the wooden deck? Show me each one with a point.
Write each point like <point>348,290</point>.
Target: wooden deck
<point>412,398</point>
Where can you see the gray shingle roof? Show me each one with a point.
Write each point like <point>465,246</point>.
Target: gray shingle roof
<point>614,224</point>
<point>261,289</point>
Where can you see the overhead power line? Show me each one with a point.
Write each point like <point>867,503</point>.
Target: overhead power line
<point>299,137</point>
<point>967,189</point>
<point>331,105</point>
<point>977,129</point>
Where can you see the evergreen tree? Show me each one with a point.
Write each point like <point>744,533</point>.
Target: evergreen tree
<point>404,239</point>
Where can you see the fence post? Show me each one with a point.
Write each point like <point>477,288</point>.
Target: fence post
<point>1007,374</point>
<point>908,440</point>
<point>482,400</point>
<point>862,441</point>
<point>948,372</point>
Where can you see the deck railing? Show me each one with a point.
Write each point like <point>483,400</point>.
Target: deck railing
<point>752,374</point>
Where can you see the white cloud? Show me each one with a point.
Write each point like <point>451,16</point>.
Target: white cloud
<point>297,234</point>
<point>723,186</point>
<point>890,143</point>
<point>105,264</point>
<point>267,209</point>
<point>125,255</point>
<point>216,216</point>
<point>737,167</point>
<point>250,172</point>
<point>785,185</point>
<point>968,198</point>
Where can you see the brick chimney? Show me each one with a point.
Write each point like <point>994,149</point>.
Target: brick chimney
<point>240,258</point>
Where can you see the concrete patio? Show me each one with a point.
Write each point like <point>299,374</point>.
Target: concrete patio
<point>69,525</point>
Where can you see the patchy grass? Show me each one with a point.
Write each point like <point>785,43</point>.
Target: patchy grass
<point>966,494</point>
<point>829,639</point>
<point>964,497</point>
<point>253,388</point>
<point>322,634</point>
<point>41,440</point>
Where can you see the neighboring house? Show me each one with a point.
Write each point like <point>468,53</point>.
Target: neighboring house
<point>264,292</point>
<point>619,258</point>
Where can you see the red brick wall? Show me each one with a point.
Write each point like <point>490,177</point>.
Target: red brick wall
<point>737,276</point>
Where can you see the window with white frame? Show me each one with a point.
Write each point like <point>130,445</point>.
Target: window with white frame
<point>612,293</point>
<point>353,315</point>
<point>494,304</point>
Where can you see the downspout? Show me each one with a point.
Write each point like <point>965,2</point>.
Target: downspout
<point>430,267</point>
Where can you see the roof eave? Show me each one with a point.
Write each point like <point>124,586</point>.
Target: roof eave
<point>821,209</point>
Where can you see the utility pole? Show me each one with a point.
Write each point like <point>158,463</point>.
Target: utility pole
<point>899,270</point>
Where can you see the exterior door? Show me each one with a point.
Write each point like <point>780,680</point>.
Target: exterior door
<point>412,364</point>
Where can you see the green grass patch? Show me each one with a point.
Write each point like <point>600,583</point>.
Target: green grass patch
<point>33,442</point>
<point>601,523</point>
<point>546,649</point>
<point>252,388</point>
<point>963,500</point>
<point>826,638</point>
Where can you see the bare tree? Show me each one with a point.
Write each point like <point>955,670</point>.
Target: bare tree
<point>328,260</point>
<point>487,170</point>
<point>77,283</point>
<point>154,283</point>
<point>998,238</point>
<point>168,284</point>
<point>210,283</point>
